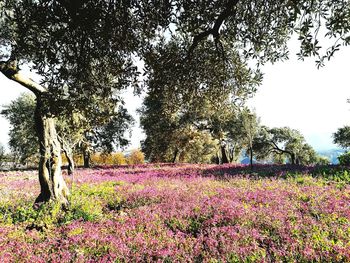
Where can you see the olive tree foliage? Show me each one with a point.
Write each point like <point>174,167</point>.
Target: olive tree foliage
<point>184,67</point>
<point>342,137</point>
<point>84,50</point>
<point>287,142</point>
<point>203,102</point>
<point>2,155</point>
<point>23,140</point>
<point>244,129</point>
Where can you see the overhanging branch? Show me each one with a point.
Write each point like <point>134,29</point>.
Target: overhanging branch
<point>214,31</point>
<point>11,71</point>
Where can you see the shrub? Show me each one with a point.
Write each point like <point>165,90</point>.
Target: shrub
<point>136,157</point>
<point>344,159</point>
<point>119,159</point>
<point>322,160</point>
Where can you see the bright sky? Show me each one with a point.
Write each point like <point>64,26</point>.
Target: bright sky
<point>293,93</point>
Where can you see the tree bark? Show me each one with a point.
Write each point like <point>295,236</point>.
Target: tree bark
<point>224,158</point>
<point>175,155</point>
<point>70,160</point>
<point>292,156</point>
<point>68,153</point>
<point>51,180</point>
<point>86,158</point>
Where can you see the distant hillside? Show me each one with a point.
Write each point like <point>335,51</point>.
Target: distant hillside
<point>332,154</point>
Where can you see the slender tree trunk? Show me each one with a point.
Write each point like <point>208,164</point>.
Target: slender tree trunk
<point>51,180</point>
<point>175,155</point>
<point>251,156</point>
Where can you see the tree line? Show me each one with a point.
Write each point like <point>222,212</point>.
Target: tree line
<point>223,137</point>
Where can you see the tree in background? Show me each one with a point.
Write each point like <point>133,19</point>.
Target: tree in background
<point>2,155</point>
<point>283,141</point>
<point>105,133</point>
<point>307,155</point>
<point>136,157</point>
<point>84,50</point>
<point>245,129</point>
<point>322,160</point>
<point>194,104</point>
<point>23,140</point>
<point>344,159</point>
<point>342,137</point>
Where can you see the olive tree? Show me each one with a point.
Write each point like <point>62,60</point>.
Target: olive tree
<point>342,137</point>
<point>271,142</point>
<point>106,133</point>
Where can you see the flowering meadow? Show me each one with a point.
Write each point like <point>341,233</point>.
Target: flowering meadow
<point>181,213</point>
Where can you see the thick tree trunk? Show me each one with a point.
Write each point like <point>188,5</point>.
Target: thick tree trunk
<point>51,180</point>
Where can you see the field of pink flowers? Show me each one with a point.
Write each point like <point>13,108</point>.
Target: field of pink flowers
<point>181,213</point>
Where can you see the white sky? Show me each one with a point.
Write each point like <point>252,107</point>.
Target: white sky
<point>294,93</point>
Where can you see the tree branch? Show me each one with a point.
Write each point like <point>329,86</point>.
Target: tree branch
<point>280,150</point>
<point>214,31</point>
<point>11,71</point>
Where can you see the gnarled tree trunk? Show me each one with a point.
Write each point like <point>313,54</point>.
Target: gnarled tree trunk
<point>51,180</point>
<point>52,184</point>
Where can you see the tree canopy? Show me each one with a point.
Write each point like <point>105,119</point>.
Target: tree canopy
<point>23,140</point>
<point>271,142</point>
<point>103,137</point>
<point>342,137</point>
